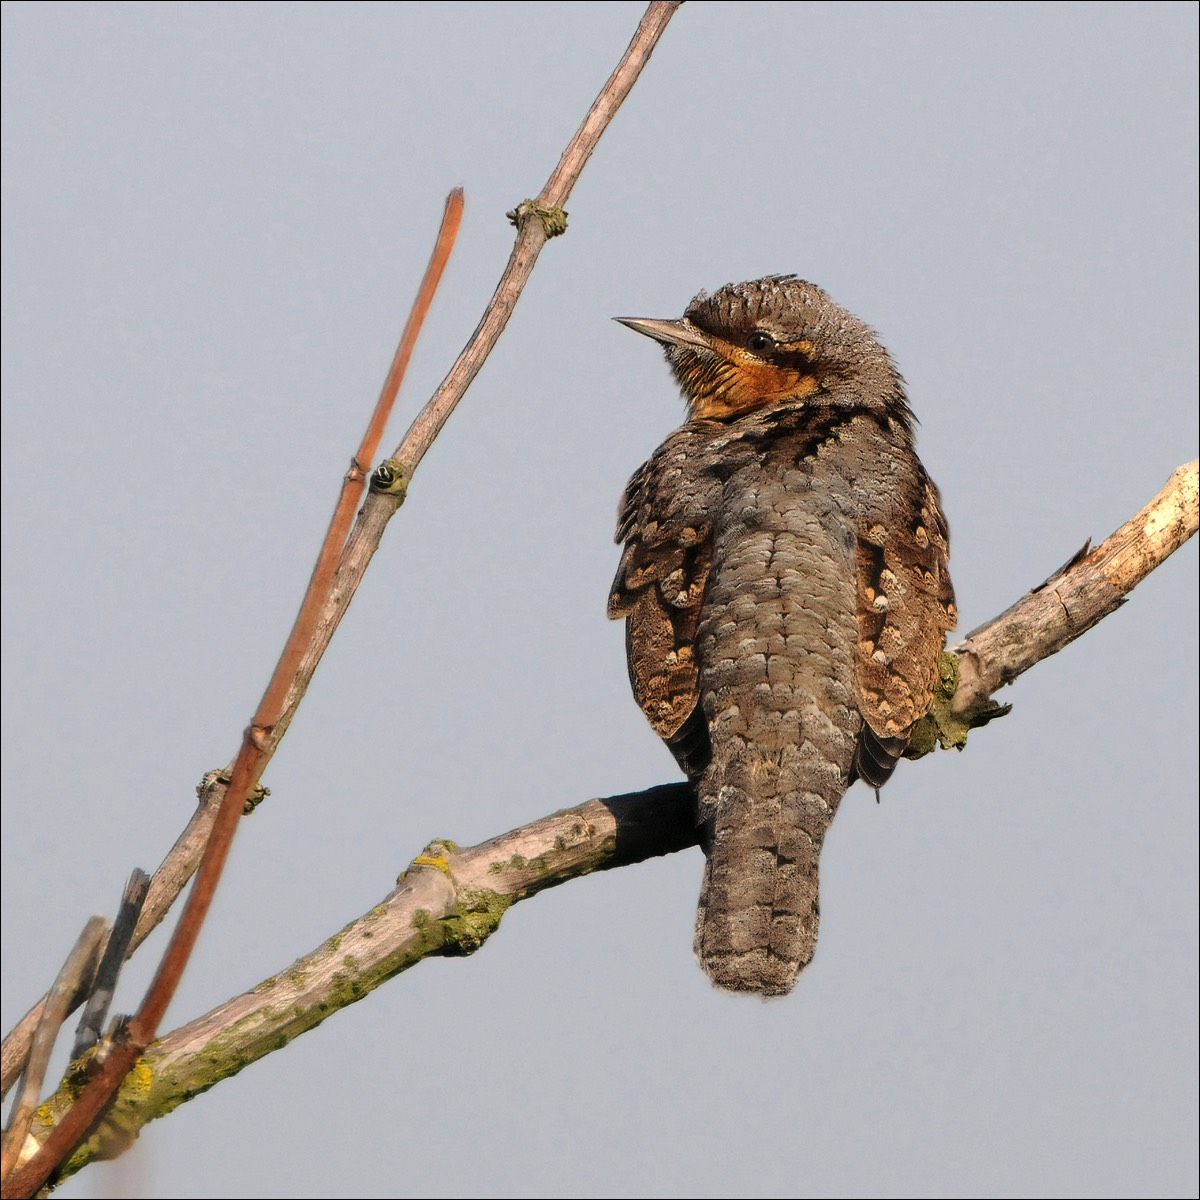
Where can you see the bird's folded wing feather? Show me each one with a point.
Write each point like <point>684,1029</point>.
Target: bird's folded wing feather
<point>905,606</point>
<point>659,589</point>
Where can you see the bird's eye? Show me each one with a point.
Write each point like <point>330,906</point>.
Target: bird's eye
<point>760,340</point>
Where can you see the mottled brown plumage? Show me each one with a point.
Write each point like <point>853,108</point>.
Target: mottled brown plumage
<point>786,593</point>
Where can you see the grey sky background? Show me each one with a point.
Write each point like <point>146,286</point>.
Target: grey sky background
<point>214,219</point>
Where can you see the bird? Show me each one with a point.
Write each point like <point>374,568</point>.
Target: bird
<point>785,590</point>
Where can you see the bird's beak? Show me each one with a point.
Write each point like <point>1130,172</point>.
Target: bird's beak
<point>669,333</point>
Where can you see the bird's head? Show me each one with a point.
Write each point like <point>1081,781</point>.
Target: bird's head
<point>773,341</point>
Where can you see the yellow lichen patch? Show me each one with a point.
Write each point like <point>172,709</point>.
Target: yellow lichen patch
<point>139,1080</point>
<point>432,860</point>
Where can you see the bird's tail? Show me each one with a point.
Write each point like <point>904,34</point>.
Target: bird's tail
<point>757,922</point>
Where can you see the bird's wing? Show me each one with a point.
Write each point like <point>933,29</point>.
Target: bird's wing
<point>659,589</point>
<point>905,605</point>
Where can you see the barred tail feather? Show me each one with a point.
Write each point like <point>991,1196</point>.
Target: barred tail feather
<point>757,922</point>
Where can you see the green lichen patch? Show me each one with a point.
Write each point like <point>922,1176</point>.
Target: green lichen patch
<point>578,833</point>
<point>518,862</point>
<point>473,919</point>
<point>391,478</point>
<point>941,726</point>
<point>554,220</point>
<point>121,1124</point>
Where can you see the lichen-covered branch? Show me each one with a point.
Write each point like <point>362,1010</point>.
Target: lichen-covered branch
<point>448,901</point>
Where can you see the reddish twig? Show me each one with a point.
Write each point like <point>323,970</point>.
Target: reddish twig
<point>536,224</point>
<point>319,585</point>
<point>117,1057</point>
<point>257,745</point>
<point>537,221</point>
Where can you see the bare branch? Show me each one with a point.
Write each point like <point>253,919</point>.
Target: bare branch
<point>447,903</point>
<point>116,1058</point>
<point>451,899</point>
<point>76,971</point>
<point>532,235</point>
<point>1070,602</point>
<point>95,1011</point>
<point>311,635</point>
<point>168,881</point>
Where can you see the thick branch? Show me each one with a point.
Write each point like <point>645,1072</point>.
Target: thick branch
<point>447,903</point>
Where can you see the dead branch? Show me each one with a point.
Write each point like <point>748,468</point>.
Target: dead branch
<point>1076,597</point>
<point>168,881</point>
<point>537,221</point>
<point>78,968</point>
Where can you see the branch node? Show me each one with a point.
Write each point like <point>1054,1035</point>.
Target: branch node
<point>210,781</point>
<point>553,219</point>
<point>220,779</point>
<point>391,478</point>
<point>475,912</point>
<point>259,736</point>
<point>254,798</point>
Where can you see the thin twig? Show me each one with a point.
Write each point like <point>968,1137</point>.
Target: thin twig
<point>319,585</point>
<point>78,968</point>
<point>262,738</point>
<point>168,881</point>
<point>532,235</point>
<point>255,751</point>
<point>257,744</point>
<point>95,1011</point>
